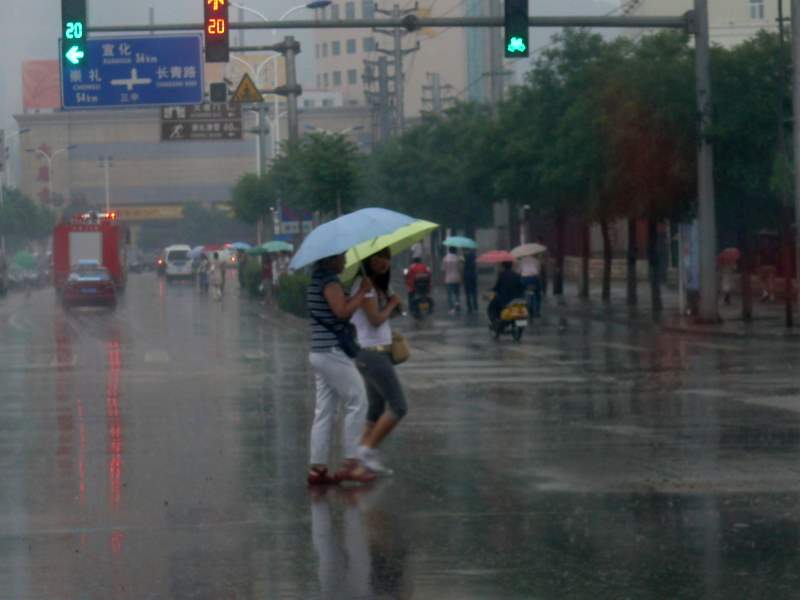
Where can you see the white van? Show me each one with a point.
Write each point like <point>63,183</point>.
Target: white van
<point>178,262</point>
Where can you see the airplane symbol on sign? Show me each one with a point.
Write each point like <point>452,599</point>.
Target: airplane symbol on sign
<point>216,3</point>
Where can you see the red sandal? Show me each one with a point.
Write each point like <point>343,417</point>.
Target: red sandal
<point>357,473</point>
<point>321,477</point>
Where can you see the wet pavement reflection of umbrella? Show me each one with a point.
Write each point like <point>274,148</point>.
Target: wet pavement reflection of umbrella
<point>528,250</point>
<point>341,234</point>
<point>495,257</point>
<point>459,241</point>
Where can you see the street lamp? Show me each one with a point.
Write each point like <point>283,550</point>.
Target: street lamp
<point>50,158</point>
<point>313,5</point>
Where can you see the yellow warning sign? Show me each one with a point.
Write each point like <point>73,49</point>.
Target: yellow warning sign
<point>247,91</point>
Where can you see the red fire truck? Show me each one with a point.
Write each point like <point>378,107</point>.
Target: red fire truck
<point>90,236</point>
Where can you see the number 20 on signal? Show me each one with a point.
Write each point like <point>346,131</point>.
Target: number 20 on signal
<point>216,26</point>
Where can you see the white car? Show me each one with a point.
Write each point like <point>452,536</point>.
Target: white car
<point>178,262</point>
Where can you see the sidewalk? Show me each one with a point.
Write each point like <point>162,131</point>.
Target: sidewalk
<point>768,318</point>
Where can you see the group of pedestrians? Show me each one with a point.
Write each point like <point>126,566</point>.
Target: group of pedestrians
<point>358,376</point>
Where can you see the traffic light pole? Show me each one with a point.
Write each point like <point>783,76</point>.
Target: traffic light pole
<point>414,23</point>
<point>706,212</point>
<point>796,131</point>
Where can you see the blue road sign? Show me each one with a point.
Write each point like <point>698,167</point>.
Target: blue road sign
<point>136,71</point>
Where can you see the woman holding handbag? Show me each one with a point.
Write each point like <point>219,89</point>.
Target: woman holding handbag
<point>375,361</point>
<point>338,382</point>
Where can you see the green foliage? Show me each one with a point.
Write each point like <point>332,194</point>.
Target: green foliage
<point>23,220</point>
<point>252,277</point>
<point>253,197</point>
<point>320,172</point>
<point>292,293</point>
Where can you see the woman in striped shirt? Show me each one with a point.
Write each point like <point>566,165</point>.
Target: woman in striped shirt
<point>337,379</point>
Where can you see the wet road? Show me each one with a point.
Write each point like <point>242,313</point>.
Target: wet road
<point>159,451</point>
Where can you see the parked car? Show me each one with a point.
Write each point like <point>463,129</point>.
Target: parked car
<point>89,284</point>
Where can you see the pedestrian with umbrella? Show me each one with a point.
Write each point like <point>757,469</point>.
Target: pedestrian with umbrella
<point>333,345</point>
<point>530,269</point>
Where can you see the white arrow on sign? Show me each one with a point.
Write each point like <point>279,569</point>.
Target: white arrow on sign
<point>74,55</point>
<point>132,81</point>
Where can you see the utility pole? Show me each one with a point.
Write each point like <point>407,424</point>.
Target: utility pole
<point>705,169</point>
<point>293,90</point>
<point>796,126</point>
<point>496,72</point>
<point>105,163</point>
<point>397,53</point>
<point>379,101</point>
<point>439,94</point>
<point>786,207</point>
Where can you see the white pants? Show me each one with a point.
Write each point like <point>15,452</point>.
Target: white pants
<point>338,381</point>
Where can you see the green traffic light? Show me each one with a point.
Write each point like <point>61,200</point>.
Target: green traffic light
<point>75,55</point>
<point>516,45</point>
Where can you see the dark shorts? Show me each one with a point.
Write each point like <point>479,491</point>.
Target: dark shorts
<point>383,386</point>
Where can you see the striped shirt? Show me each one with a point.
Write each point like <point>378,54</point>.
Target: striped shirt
<point>322,338</point>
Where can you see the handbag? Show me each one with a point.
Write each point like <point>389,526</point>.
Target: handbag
<point>399,349</point>
<point>345,337</point>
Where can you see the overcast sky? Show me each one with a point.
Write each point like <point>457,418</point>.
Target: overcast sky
<point>32,27</point>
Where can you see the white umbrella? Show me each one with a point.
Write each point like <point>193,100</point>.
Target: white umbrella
<point>528,250</point>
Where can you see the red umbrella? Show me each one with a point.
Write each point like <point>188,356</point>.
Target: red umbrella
<point>729,256</point>
<point>213,247</point>
<point>495,257</point>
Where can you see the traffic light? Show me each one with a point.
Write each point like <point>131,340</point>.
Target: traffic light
<point>218,92</point>
<point>73,32</point>
<point>516,28</point>
<point>216,30</point>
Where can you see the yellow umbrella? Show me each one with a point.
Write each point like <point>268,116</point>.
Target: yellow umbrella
<point>397,242</point>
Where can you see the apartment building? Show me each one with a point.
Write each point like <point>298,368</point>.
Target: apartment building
<point>730,21</point>
<point>340,53</point>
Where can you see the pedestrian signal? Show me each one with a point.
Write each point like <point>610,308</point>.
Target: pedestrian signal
<point>516,29</point>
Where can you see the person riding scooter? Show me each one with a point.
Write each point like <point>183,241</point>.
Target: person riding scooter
<point>418,282</point>
<point>507,288</point>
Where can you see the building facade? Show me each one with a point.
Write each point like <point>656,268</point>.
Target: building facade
<point>730,21</point>
<point>340,55</point>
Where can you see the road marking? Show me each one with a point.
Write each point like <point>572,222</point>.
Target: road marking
<point>156,357</point>
<point>625,347</point>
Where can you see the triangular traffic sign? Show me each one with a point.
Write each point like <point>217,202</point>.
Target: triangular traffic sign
<point>247,92</point>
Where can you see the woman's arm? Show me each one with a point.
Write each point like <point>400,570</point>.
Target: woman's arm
<point>342,306</point>
<point>376,316</point>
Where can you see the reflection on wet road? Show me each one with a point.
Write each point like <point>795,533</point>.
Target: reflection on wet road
<point>159,451</point>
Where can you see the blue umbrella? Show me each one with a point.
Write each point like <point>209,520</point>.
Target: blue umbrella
<point>277,246</point>
<point>241,246</point>
<point>196,252</point>
<point>339,235</point>
<point>458,241</point>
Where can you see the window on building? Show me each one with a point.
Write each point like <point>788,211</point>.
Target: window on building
<point>352,103</point>
<point>369,44</point>
<point>349,10</point>
<point>368,9</point>
<point>325,49</point>
<point>319,81</point>
<point>352,76</point>
<point>308,104</point>
<point>327,102</point>
<point>334,12</point>
<point>316,50</point>
<point>336,48</point>
<point>351,46</point>
<point>325,80</point>
<point>337,78</point>
<point>757,9</point>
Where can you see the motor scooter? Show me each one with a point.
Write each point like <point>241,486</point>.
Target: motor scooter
<point>513,319</point>
<point>420,304</point>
